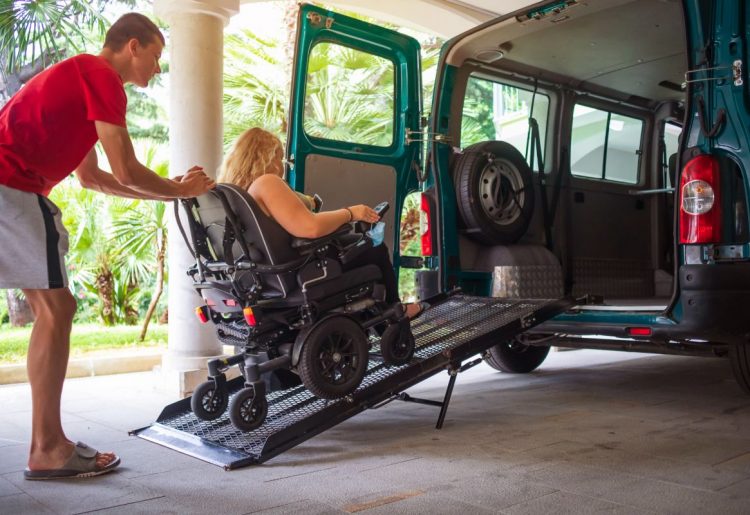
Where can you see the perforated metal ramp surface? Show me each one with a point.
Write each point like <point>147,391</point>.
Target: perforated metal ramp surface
<point>446,334</point>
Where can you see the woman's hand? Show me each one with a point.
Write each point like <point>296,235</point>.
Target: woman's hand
<point>362,213</point>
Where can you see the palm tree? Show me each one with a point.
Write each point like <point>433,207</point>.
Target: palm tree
<point>139,232</point>
<point>255,93</point>
<point>37,33</point>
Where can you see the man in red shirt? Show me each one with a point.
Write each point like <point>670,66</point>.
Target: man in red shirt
<point>47,131</point>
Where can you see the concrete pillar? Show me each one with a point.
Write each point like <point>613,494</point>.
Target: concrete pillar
<point>196,50</point>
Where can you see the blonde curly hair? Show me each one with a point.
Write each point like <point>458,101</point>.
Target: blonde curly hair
<point>252,154</point>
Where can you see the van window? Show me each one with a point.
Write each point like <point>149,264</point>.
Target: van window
<point>349,96</point>
<point>605,145</point>
<point>495,111</point>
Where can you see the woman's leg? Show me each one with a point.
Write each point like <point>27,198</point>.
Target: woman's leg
<point>380,257</point>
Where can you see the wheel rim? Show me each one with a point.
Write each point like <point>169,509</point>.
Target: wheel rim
<point>249,410</point>
<point>338,359</point>
<point>211,401</point>
<point>401,347</point>
<point>501,192</point>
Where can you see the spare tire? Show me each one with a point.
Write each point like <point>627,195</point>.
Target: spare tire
<point>495,194</point>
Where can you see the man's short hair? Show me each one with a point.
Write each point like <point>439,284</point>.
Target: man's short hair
<point>132,26</point>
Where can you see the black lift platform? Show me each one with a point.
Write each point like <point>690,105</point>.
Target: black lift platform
<point>447,334</point>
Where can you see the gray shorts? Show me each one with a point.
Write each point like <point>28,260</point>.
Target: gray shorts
<point>33,242</point>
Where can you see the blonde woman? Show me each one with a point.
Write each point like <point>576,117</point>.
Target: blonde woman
<point>255,164</point>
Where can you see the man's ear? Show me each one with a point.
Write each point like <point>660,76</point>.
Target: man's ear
<point>132,46</point>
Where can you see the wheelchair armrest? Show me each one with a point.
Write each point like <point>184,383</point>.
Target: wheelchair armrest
<point>352,252</point>
<point>307,245</point>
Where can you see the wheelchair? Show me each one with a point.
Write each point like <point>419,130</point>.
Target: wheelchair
<point>286,304</point>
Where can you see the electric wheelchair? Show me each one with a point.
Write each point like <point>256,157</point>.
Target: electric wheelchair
<point>286,304</point>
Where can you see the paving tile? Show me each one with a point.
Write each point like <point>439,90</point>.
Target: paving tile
<point>564,503</point>
<point>143,458</point>
<point>8,488</point>
<point>13,458</point>
<point>740,489</point>
<point>428,504</point>
<point>493,491</point>
<point>23,504</point>
<point>304,507</point>
<point>653,467</point>
<point>631,490</point>
<point>81,495</point>
<point>159,505</point>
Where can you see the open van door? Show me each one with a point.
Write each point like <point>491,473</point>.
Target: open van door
<point>356,95</point>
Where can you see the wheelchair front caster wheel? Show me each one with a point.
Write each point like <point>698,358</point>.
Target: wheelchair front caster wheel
<point>397,343</point>
<point>209,402</point>
<point>248,411</point>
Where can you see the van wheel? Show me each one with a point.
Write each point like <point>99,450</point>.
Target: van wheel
<point>495,192</point>
<point>739,355</point>
<point>515,358</point>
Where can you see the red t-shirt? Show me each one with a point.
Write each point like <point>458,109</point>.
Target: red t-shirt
<point>47,128</point>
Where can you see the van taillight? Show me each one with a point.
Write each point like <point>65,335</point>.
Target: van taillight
<point>425,225</point>
<point>700,201</point>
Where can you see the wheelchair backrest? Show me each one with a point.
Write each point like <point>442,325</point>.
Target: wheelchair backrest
<point>268,243</point>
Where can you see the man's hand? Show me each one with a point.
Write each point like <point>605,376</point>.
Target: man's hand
<point>194,183</point>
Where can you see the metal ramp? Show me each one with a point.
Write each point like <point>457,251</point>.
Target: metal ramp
<point>446,334</point>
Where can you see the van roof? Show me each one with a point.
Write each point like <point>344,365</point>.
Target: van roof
<point>636,47</point>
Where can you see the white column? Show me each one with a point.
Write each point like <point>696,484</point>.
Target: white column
<point>196,50</point>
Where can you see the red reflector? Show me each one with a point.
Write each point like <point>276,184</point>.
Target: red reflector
<point>425,225</point>
<point>700,201</point>
<point>639,331</point>
<point>202,313</point>
<point>249,316</point>
<point>209,302</point>
<point>231,303</point>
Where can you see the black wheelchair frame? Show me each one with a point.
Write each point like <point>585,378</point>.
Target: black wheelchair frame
<point>318,330</point>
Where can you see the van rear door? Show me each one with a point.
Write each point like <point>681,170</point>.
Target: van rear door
<point>356,96</point>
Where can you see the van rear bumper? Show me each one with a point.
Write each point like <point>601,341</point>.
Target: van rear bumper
<point>715,300</point>
<point>713,308</point>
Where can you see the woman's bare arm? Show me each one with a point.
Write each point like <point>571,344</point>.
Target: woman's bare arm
<point>284,206</point>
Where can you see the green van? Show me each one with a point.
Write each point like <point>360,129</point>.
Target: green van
<point>594,149</point>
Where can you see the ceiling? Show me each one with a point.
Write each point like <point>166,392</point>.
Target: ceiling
<point>443,18</point>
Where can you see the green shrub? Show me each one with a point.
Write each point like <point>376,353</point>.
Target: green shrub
<point>14,342</point>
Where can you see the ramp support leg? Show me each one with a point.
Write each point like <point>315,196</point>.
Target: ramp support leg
<point>447,399</point>
<point>453,372</point>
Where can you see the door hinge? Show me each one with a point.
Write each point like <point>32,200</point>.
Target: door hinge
<point>690,75</point>
<point>317,20</point>
<point>424,136</point>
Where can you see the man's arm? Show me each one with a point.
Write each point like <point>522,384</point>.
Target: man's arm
<point>94,178</point>
<point>131,174</point>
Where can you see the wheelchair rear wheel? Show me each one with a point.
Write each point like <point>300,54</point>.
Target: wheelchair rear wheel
<point>248,411</point>
<point>334,357</point>
<point>397,343</point>
<point>208,402</point>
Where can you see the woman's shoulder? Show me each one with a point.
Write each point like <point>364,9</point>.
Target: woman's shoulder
<point>269,186</point>
<point>268,179</point>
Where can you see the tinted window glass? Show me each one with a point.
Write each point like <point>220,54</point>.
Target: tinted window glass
<point>349,96</point>
<point>495,111</point>
<point>605,145</point>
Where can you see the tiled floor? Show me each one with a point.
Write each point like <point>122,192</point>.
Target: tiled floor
<point>589,432</point>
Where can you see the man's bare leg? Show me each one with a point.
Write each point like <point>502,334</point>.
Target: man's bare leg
<point>46,364</point>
